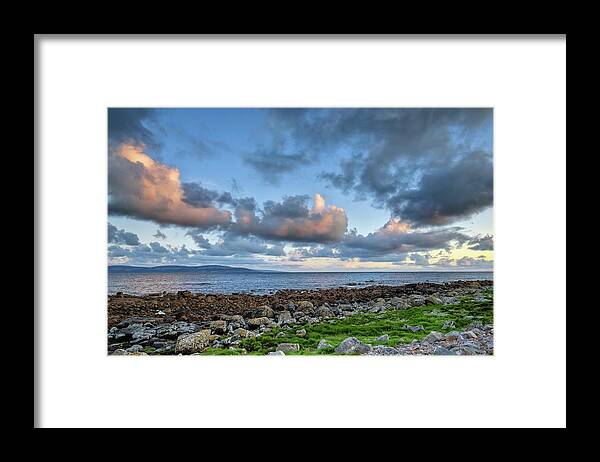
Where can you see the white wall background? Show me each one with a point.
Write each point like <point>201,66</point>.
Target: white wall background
<point>524,384</point>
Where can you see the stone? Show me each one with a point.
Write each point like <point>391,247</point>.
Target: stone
<point>265,311</point>
<point>433,337</point>
<point>352,345</point>
<point>243,333</point>
<point>253,323</point>
<point>119,352</point>
<point>382,350</point>
<point>301,333</point>
<point>469,334</point>
<point>323,344</point>
<point>416,300</point>
<point>383,338</point>
<point>433,300</point>
<point>219,327</point>
<point>440,350</point>
<point>193,343</point>
<point>234,321</point>
<point>305,306</point>
<point>135,349</point>
<point>276,353</point>
<point>453,337</point>
<point>324,312</point>
<point>285,317</point>
<point>287,347</point>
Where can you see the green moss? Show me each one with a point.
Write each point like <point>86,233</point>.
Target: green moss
<point>223,352</point>
<point>368,326</point>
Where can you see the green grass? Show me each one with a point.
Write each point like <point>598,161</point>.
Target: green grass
<point>368,326</point>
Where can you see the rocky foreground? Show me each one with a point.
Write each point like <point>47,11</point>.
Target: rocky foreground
<point>291,321</point>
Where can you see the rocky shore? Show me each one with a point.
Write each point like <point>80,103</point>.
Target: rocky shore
<point>291,321</point>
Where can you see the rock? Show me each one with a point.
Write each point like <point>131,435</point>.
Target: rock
<point>253,323</point>
<point>264,311</point>
<point>469,334</point>
<point>323,344</point>
<point>276,353</point>
<point>301,333</point>
<point>433,300</point>
<point>135,349</point>
<point>416,300</point>
<point>291,306</point>
<point>160,313</point>
<point>234,322</point>
<point>383,338</point>
<point>285,317</point>
<point>453,337</point>
<point>119,352</point>
<point>280,334</point>
<point>305,306</point>
<point>440,350</point>
<point>382,350</point>
<point>242,333</point>
<point>184,293</point>
<point>193,343</point>
<point>219,327</point>
<point>352,345</point>
<point>324,312</point>
<point>433,337</point>
<point>287,347</point>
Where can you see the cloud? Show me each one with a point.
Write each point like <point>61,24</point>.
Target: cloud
<point>159,235</point>
<point>140,187</point>
<point>482,242</point>
<point>271,165</point>
<point>120,236</point>
<point>427,166</point>
<point>479,263</point>
<point>239,246</point>
<point>131,125</point>
<point>397,237</point>
<point>292,220</point>
<point>447,193</point>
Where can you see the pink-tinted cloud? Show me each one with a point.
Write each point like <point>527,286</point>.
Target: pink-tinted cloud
<point>292,220</point>
<point>143,188</point>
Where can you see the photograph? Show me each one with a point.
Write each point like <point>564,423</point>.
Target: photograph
<point>287,231</point>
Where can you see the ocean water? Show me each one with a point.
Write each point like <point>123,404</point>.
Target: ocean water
<point>258,282</point>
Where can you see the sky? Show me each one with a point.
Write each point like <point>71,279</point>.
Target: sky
<point>290,189</point>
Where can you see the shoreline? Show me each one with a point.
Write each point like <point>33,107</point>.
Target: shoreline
<point>202,323</point>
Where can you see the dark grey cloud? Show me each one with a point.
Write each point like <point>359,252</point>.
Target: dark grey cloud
<point>198,196</point>
<point>393,242</point>
<point>230,244</point>
<point>120,236</point>
<point>132,125</point>
<point>427,166</point>
<point>448,193</point>
<point>272,164</point>
<point>482,243</point>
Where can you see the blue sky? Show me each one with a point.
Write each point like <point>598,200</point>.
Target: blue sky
<point>399,186</point>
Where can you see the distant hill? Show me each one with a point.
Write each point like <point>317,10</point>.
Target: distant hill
<point>180,269</point>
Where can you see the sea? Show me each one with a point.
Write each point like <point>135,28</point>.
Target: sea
<point>264,282</point>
